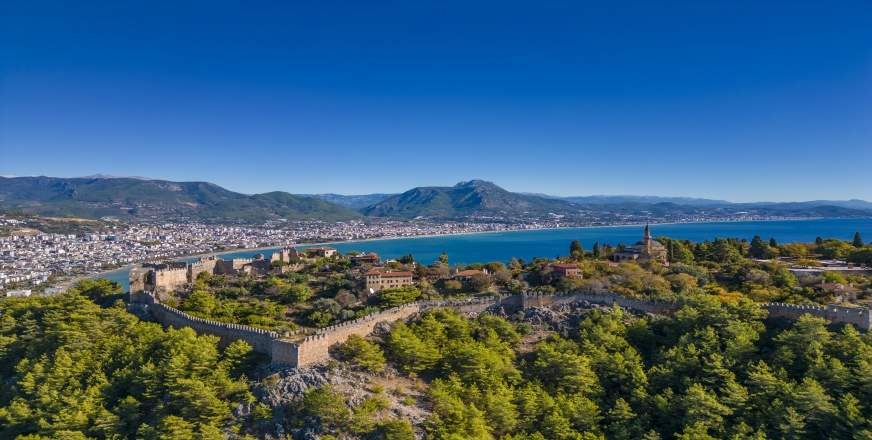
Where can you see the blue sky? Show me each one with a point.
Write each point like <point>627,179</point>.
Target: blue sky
<point>743,101</point>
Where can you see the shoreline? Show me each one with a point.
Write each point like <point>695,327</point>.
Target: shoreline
<point>559,227</point>
<point>263,248</point>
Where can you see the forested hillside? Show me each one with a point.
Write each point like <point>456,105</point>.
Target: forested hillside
<point>71,370</point>
<point>132,198</point>
<point>712,371</point>
<point>718,368</point>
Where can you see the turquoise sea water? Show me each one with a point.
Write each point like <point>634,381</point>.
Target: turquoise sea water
<point>501,246</point>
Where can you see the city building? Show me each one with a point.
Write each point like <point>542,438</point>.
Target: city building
<point>18,293</point>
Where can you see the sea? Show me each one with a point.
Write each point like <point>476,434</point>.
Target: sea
<point>551,243</point>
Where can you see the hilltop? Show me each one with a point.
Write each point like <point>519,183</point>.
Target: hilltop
<point>20,223</point>
<point>135,198</point>
<point>474,197</point>
<point>481,198</point>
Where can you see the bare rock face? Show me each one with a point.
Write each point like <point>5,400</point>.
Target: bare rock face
<point>140,311</point>
<point>382,329</point>
<point>279,386</point>
<point>289,385</point>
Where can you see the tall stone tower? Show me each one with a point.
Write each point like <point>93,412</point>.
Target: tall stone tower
<point>647,239</point>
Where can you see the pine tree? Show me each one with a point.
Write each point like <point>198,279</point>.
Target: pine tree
<point>818,241</point>
<point>757,249</point>
<point>575,249</point>
<point>858,242</point>
<point>443,258</point>
<point>772,242</point>
<point>596,250</point>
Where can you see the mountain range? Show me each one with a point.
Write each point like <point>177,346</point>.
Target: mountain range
<point>147,199</point>
<point>608,200</point>
<point>152,199</point>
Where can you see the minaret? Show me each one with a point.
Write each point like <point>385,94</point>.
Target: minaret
<point>647,239</point>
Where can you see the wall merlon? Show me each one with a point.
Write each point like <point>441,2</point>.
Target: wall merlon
<point>314,348</point>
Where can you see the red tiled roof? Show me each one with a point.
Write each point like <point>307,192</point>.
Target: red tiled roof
<point>565,265</point>
<point>837,287</point>
<point>391,274</point>
<point>467,273</point>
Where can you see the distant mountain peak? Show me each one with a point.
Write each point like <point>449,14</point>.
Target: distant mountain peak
<point>113,176</point>
<point>475,182</point>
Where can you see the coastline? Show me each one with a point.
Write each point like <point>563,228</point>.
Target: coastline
<point>127,267</point>
<point>550,229</point>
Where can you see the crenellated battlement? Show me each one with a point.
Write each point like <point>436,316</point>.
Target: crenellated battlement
<point>314,348</point>
<point>862,318</point>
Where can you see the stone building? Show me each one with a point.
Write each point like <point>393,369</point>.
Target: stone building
<point>465,275</point>
<point>323,251</point>
<point>286,254</point>
<point>566,269</point>
<point>645,250</point>
<point>383,280</point>
<point>370,258</point>
<point>168,276</point>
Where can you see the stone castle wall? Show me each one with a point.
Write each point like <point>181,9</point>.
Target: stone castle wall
<point>315,348</point>
<point>260,339</point>
<point>837,314</point>
<point>202,265</point>
<point>139,280</point>
<point>166,280</point>
<point>229,267</point>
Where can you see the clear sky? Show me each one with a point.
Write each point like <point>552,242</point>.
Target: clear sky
<point>743,101</point>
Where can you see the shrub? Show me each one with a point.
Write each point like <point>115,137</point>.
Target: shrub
<point>328,405</point>
<point>362,352</point>
<point>369,310</point>
<point>262,412</point>
<point>524,328</point>
<point>199,302</point>
<point>296,294</point>
<point>453,285</point>
<point>320,319</point>
<point>327,305</point>
<point>397,296</point>
<point>397,430</point>
<point>347,315</point>
<point>480,282</point>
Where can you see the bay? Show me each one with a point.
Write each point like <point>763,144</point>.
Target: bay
<point>550,243</point>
